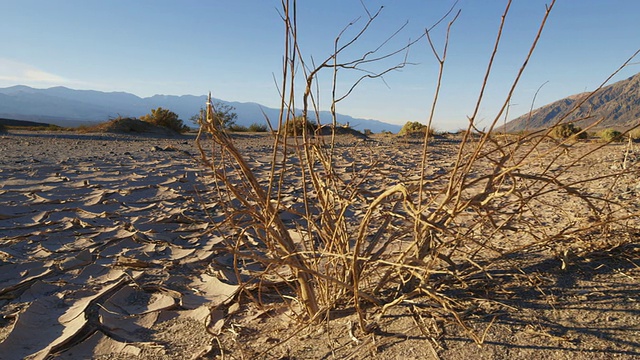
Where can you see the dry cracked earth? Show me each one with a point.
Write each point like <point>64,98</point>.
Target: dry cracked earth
<point>107,252</point>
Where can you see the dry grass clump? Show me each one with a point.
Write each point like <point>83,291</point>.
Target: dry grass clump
<point>346,246</point>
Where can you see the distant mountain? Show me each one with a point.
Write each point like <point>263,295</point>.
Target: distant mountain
<point>67,107</point>
<point>617,105</point>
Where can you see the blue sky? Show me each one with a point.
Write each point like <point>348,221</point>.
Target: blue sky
<point>234,49</point>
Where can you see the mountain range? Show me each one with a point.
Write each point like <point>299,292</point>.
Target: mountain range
<point>68,107</point>
<point>614,106</point>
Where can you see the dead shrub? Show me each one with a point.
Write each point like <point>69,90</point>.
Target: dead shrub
<point>353,247</point>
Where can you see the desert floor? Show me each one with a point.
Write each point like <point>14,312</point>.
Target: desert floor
<point>106,252</point>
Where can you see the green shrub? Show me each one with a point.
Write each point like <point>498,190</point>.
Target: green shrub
<point>609,135</point>
<point>255,127</point>
<point>415,128</point>
<point>237,128</point>
<point>166,118</point>
<point>634,134</point>
<point>299,125</point>
<point>567,130</point>
<point>224,117</point>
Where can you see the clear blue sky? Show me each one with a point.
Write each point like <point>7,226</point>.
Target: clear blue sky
<point>234,49</point>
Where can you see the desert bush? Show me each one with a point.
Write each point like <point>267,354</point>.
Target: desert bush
<point>238,128</point>
<point>298,126</point>
<point>255,127</point>
<point>224,116</point>
<point>634,134</point>
<point>119,125</point>
<point>165,118</point>
<point>366,248</point>
<point>415,128</point>
<point>610,135</point>
<point>567,130</point>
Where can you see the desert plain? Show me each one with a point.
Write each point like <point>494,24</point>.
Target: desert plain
<point>107,251</point>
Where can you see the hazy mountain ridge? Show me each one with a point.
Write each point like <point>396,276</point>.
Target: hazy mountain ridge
<point>617,105</point>
<point>68,107</point>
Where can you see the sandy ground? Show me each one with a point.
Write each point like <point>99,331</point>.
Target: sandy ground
<point>106,251</point>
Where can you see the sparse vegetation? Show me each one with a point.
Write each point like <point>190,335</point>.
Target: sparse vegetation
<point>49,127</point>
<point>165,118</point>
<point>29,127</point>
<point>255,127</point>
<point>238,128</point>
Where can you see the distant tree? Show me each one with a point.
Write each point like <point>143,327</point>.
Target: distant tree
<point>198,118</point>
<point>224,114</point>
<point>166,118</point>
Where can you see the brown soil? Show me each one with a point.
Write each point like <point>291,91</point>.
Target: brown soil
<point>106,252</point>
